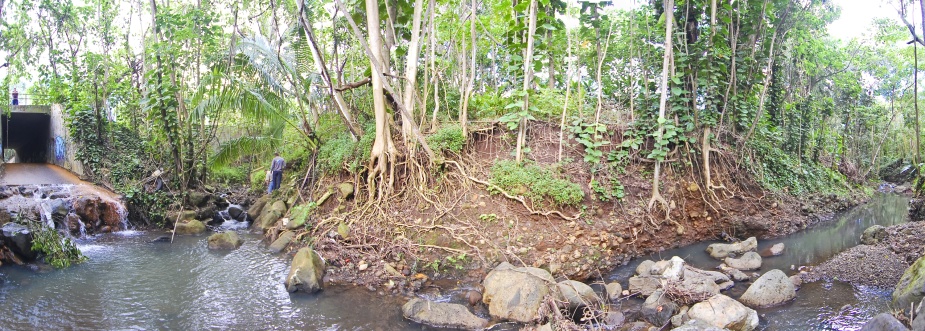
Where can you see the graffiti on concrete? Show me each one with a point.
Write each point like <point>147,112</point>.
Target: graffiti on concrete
<point>59,148</point>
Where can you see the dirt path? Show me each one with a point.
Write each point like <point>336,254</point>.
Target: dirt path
<point>36,174</point>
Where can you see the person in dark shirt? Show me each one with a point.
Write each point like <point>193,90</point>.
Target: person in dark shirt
<point>277,168</point>
<point>15,97</point>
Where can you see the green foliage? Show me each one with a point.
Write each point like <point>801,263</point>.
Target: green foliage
<point>230,175</point>
<point>607,192</point>
<point>343,153</point>
<point>299,214</point>
<point>151,207</point>
<point>781,172</point>
<point>59,251</point>
<point>590,136</point>
<point>447,138</point>
<point>535,182</point>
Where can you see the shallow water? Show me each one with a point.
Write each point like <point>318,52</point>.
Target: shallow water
<point>129,284</point>
<point>821,305</point>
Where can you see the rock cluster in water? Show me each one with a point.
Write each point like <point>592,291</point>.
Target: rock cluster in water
<point>77,210</point>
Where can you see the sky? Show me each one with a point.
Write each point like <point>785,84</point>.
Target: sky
<point>857,16</point>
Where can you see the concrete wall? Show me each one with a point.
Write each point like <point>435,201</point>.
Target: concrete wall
<point>62,150</point>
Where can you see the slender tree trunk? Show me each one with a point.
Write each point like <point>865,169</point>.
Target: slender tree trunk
<point>339,102</point>
<point>915,93</point>
<point>528,82</point>
<point>568,90</point>
<point>170,130</point>
<point>662,104</point>
<point>411,73</point>
<point>383,149</point>
<point>470,84</point>
<point>433,65</point>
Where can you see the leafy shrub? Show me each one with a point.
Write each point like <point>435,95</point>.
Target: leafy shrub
<point>447,138</point>
<point>535,182</point>
<point>781,172</point>
<point>342,151</point>
<point>59,251</point>
<point>229,175</point>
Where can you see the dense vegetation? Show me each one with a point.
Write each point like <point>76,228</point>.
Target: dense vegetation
<point>387,91</point>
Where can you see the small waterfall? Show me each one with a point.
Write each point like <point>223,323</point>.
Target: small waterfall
<point>83,228</point>
<point>229,222</point>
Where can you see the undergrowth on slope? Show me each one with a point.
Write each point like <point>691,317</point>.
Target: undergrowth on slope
<point>541,185</point>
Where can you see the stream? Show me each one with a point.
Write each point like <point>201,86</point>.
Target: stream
<point>821,305</point>
<point>131,284</point>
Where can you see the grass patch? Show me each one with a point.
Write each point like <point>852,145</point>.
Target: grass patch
<point>541,185</point>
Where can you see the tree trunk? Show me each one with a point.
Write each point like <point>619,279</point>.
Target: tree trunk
<point>915,94</point>
<point>411,73</point>
<point>168,129</point>
<point>528,82</point>
<point>470,84</point>
<point>662,104</point>
<point>382,155</point>
<point>568,90</point>
<point>339,102</point>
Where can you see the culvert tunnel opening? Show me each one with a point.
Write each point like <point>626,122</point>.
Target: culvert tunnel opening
<point>28,134</point>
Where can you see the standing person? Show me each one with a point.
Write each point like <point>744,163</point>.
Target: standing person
<point>15,97</point>
<point>277,168</point>
<point>268,180</point>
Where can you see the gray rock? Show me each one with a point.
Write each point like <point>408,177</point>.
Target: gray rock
<point>736,274</point>
<point>516,294</point>
<point>911,286</point>
<point>236,212</point>
<point>613,319</point>
<point>644,285</point>
<point>257,208</point>
<point>643,268</point>
<point>192,227</point>
<point>228,240</point>
<point>638,326</point>
<point>873,235</point>
<point>918,324</point>
<point>270,215</point>
<point>724,312</point>
<point>658,308</point>
<point>797,281</point>
<point>681,317</point>
<point>442,315</point>
<point>771,289</point>
<point>721,251</point>
<point>777,249</point>
<point>282,242</point>
<point>748,261</point>
<point>306,273</point>
<point>884,322</point>
<point>18,239</point>
<point>577,294</point>
<point>697,325</point>
<point>614,291</point>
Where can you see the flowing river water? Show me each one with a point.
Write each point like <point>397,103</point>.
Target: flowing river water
<point>818,306</point>
<point>131,284</point>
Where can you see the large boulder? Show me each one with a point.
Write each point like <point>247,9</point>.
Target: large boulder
<point>722,251</point>
<point>254,211</point>
<point>228,240</point>
<point>748,261</point>
<point>697,325</point>
<point>516,294</point>
<point>270,215</point>
<point>658,308</point>
<point>282,242</point>
<point>724,312</point>
<point>873,235</point>
<point>306,273</point>
<point>442,315</point>
<point>911,286</point>
<point>18,239</point>
<point>771,289</point>
<point>884,322</point>
<point>198,199</point>
<point>643,268</point>
<point>702,283</point>
<point>577,294</point>
<point>111,213</point>
<point>193,227</point>
<point>236,212</point>
<point>88,208</point>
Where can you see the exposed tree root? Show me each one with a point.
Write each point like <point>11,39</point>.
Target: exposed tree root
<point>513,197</point>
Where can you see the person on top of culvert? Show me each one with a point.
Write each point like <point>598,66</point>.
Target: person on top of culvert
<point>15,97</point>
<point>277,168</point>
